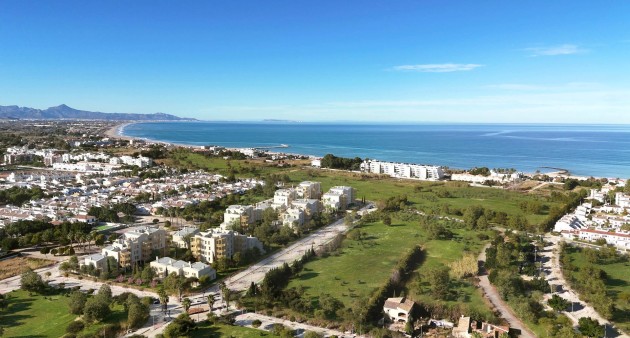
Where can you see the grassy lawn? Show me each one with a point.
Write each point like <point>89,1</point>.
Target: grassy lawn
<point>617,282</point>
<point>362,266</point>
<point>35,316</point>
<point>222,330</point>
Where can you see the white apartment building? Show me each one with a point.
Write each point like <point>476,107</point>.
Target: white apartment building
<point>165,266</point>
<point>310,206</point>
<point>282,198</point>
<point>136,245</point>
<point>309,190</point>
<point>619,239</point>
<point>179,237</point>
<point>217,244</point>
<point>293,218</point>
<point>243,214</point>
<point>622,200</point>
<point>403,170</point>
<point>338,198</point>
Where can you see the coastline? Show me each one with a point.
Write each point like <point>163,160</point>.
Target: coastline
<point>118,132</point>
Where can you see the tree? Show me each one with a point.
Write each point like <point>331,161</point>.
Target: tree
<point>73,263</point>
<point>163,296</point>
<point>96,309</point>
<point>31,281</point>
<point>137,314</point>
<point>77,302</point>
<point>439,281</point>
<point>105,293</point>
<point>179,327</point>
<point>590,327</point>
<point>558,303</point>
<point>211,300</point>
<point>226,293</point>
<point>186,304</point>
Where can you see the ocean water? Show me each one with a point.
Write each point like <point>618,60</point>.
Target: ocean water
<point>589,150</point>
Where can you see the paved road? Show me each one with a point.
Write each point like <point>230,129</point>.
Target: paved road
<point>493,296</point>
<point>555,276</point>
<point>256,272</point>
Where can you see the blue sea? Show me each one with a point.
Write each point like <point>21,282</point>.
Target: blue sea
<point>588,150</point>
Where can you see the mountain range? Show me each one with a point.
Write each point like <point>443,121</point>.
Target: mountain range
<point>67,113</point>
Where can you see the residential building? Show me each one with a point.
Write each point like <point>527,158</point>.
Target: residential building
<point>98,261</point>
<point>165,266</point>
<point>466,327</point>
<point>136,245</point>
<point>398,309</point>
<point>183,237</point>
<point>282,198</point>
<point>403,170</point>
<point>309,190</point>
<point>338,198</point>
<point>242,214</point>
<point>622,200</point>
<point>217,244</point>
<point>293,218</point>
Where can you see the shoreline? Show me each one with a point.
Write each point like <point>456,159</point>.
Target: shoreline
<point>117,132</point>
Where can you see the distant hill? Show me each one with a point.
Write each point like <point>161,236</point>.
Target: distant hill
<point>65,112</point>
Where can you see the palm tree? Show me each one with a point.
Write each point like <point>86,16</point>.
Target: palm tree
<point>186,304</point>
<point>211,300</point>
<point>163,296</point>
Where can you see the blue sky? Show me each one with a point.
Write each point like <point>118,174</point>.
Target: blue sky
<point>444,61</point>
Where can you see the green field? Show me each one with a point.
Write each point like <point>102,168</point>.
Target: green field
<point>362,266</point>
<point>35,316</point>
<point>241,168</point>
<point>617,283</point>
<point>222,330</point>
<point>426,195</point>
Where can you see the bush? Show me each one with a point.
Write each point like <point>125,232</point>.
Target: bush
<point>75,326</point>
<point>256,323</point>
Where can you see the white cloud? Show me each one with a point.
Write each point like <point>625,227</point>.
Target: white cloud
<point>566,49</point>
<point>438,67</point>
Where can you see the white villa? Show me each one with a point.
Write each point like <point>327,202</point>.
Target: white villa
<point>398,309</point>
<point>166,265</point>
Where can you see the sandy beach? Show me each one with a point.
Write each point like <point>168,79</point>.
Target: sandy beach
<point>115,132</point>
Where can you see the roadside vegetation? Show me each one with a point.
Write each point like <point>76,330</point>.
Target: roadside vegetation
<point>602,278</point>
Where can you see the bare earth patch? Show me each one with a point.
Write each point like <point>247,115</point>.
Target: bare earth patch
<point>14,266</point>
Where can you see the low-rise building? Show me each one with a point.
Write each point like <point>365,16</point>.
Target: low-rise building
<point>165,266</point>
<point>466,327</point>
<point>98,261</point>
<point>398,309</point>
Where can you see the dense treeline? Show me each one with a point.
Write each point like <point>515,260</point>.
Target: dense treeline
<point>334,162</point>
<point>110,214</point>
<point>19,195</point>
<point>27,233</point>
